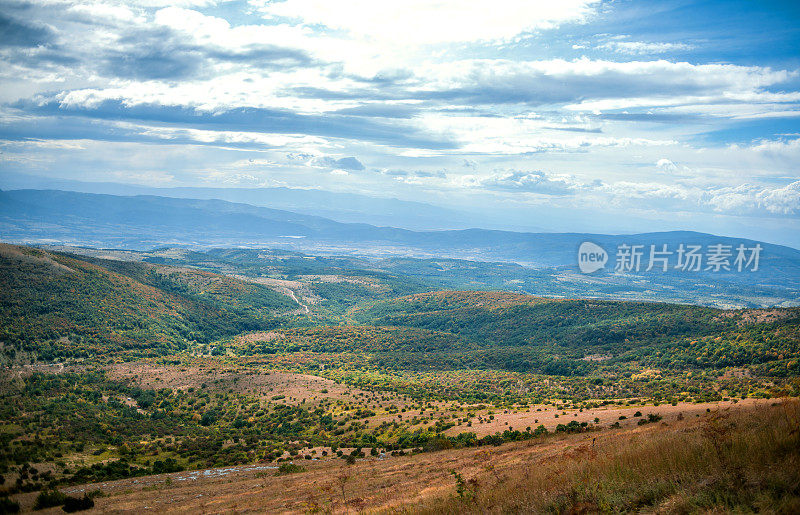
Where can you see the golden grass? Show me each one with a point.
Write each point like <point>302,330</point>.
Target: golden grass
<point>741,458</point>
<point>735,461</point>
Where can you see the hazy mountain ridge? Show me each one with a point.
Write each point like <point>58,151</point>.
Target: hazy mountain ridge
<point>146,222</point>
<point>338,206</point>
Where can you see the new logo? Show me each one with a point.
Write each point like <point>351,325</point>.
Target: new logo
<point>591,257</point>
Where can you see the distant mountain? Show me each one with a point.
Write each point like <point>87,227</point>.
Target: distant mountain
<point>145,222</point>
<point>342,207</point>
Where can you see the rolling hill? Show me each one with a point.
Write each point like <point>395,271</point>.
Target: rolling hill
<point>53,305</point>
<point>575,336</point>
<point>58,305</point>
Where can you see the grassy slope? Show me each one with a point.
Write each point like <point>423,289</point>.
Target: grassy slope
<point>353,339</point>
<point>740,461</point>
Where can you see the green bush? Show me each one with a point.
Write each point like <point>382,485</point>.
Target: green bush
<point>48,499</point>
<point>289,468</point>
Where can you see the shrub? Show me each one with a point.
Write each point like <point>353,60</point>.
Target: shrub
<point>465,489</point>
<point>73,504</point>
<point>289,468</point>
<point>48,499</point>
<point>8,506</point>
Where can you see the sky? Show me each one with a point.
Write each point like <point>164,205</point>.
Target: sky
<point>569,115</point>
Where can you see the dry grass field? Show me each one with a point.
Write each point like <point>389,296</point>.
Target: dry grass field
<point>736,458</point>
<point>483,420</point>
<point>262,384</point>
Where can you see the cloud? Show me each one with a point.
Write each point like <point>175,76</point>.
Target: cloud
<point>92,104</point>
<point>176,3</point>
<point>57,130</point>
<point>420,22</point>
<point>380,110</point>
<point>587,84</point>
<point>152,54</point>
<point>784,200</point>
<point>667,165</point>
<point>344,163</point>
<point>782,148</point>
<point>19,33</point>
<point>99,12</point>
<point>751,199</point>
<point>643,47</point>
<point>743,199</point>
<point>182,43</point>
<point>529,182</point>
<point>414,174</point>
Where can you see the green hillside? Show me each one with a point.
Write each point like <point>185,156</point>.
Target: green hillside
<point>527,333</point>
<point>56,305</point>
<point>53,305</point>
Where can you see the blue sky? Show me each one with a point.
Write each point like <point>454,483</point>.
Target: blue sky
<point>573,115</point>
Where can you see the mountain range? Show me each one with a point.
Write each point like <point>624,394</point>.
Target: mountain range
<point>144,222</point>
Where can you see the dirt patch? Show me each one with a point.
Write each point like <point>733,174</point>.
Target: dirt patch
<point>258,337</point>
<point>758,316</point>
<point>360,281</point>
<point>550,417</point>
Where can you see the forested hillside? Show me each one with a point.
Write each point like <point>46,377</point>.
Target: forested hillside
<point>573,336</point>
<point>53,305</point>
<point>56,305</point>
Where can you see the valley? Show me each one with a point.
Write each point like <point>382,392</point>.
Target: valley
<point>418,258</point>
<point>121,366</point>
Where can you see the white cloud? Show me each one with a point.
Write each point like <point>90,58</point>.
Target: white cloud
<point>97,11</point>
<point>176,3</point>
<point>774,148</point>
<point>784,200</point>
<point>429,22</point>
<point>643,47</point>
<point>666,165</point>
<point>344,163</point>
<point>743,199</point>
<point>521,181</point>
<point>671,167</point>
<point>748,199</point>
